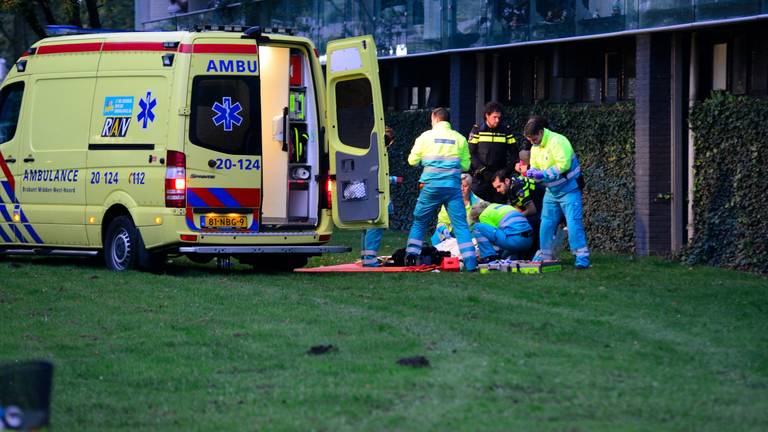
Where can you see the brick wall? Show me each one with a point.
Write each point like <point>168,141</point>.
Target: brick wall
<point>653,144</point>
<point>462,92</point>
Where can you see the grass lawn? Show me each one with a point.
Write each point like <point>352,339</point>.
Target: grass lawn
<point>632,344</point>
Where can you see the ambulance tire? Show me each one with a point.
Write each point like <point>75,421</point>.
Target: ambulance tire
<point>124,248</point>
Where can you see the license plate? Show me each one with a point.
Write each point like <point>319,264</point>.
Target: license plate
<point>224,222</point>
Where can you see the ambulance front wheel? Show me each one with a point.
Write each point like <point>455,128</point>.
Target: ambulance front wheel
<point>124,248</point>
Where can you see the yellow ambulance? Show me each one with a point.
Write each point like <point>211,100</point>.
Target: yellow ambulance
<point>219,142</point>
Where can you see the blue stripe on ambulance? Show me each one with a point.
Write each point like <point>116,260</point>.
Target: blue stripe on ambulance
<point>17,232</point>
<point>4,236</point>
<point>4,213</point>
<point>33,233</point>
<point>224,197</point>
<point>9,191</point>
<point>14,229</point>
<point>193,200</point>
<point>17,209</point>
<point>27,225</point>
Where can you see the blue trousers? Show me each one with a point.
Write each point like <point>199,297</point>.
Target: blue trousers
<point>552,211</point>
<point>371,242</point>
<point>509,244</point>
<point>427,207</point>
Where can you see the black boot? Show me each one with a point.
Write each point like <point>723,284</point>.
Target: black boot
<point>488,259</point>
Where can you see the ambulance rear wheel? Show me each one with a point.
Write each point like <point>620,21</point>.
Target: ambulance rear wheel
<point>121,244</point>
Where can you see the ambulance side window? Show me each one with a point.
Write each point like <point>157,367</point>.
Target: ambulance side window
<point>225,115</point>
<point>354,112</point>
<point>10,106</point>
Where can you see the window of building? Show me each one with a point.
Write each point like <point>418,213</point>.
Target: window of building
<point>719,66</point>
<point>540,78</point>
<point>612,77</point>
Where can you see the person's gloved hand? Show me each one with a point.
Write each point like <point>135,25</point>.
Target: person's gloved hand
<point>535,174</point>
<point>443,233</point>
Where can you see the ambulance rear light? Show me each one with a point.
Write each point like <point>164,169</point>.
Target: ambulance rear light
<point>329,193</point>
<point>175,179</point>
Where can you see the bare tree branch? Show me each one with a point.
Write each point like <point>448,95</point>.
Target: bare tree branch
<point>47,12</point>
<point>27,10</point>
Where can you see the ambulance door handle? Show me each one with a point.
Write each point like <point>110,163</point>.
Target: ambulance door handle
<point>29,159</point>
<point>11,160</point>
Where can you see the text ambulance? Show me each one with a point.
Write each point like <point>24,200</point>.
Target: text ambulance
<point>208,144</point>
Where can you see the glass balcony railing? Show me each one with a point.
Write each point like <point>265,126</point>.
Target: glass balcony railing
<point>415,26</point>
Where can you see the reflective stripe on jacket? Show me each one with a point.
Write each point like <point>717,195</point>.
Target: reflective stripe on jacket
<point>505,216</point>
<point>490,148</point>
<point>443,153</point>
<point>556,159</point>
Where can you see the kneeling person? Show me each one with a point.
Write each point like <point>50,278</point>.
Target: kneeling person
<point>501,230</point>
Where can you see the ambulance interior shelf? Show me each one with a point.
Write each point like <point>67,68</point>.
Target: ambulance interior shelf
<point>294,131</point>
<point>297,139</point>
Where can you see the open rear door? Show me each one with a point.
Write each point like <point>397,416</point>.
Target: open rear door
<point>356,134</point>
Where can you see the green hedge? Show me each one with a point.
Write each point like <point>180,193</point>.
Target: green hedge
<point>603,137</point>
<point>731,157</point>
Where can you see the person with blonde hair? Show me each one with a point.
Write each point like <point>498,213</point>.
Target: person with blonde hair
<point>444,230</point>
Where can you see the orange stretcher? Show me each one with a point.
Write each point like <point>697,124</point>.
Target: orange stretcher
<point>358,268</point>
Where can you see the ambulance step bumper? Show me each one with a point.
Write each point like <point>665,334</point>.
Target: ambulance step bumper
<point>232,250</point>
<point>47,252</point>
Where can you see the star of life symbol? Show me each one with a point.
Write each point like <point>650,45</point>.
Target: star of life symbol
<point>146,104</point>
<point>227,113</point>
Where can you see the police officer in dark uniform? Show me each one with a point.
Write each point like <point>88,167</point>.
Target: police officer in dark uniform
<point>523,194</point>
<point>491,145</point>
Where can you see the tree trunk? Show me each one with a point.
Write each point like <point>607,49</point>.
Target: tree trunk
<point>47,12</point>
<point>27,10</point>
<point>72,7</point>
<point>93,14</point>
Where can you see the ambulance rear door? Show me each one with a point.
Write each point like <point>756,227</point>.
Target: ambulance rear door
<point>223,142</point>
<point>358,157</point>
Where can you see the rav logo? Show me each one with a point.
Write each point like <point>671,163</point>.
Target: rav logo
<point>115,127</point>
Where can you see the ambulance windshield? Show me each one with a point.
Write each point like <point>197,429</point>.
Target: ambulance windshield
<point>225,114</point>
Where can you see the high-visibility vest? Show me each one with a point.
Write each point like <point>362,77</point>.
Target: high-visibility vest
<point>443,153</point>
<point>556,158</point>
<point>505,217</point>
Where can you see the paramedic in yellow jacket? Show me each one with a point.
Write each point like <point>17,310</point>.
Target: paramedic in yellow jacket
<point>554,164</point>
<point>444,230</point>
<point>444,154</point>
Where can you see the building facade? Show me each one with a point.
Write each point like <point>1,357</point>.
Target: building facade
<point>661,54</point>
